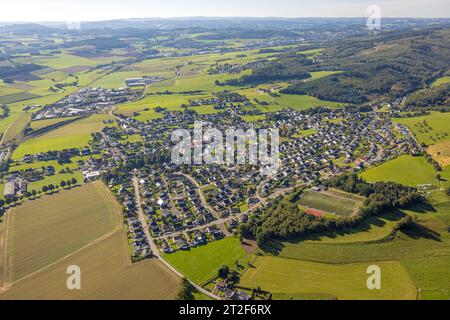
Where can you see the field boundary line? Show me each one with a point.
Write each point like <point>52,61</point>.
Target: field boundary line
<point>418,290</point>
<point>3,237</point>
<point>96,241</point>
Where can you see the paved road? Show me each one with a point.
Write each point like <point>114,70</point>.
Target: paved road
<point>222,221</point>
<point>202,196</point>
<point>142,218</point>
<point>153,246</point>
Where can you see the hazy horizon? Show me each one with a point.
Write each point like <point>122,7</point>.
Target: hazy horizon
<point>102,10</point>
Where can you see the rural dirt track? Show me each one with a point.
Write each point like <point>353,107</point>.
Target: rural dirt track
<point>3,234</point>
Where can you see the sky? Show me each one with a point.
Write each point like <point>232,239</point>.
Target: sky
<point>95,10</point>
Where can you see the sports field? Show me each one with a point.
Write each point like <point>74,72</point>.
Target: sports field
<point>202,263</point>
<point>345,281</point>
<point>329,203</point>
<point>407,170</point>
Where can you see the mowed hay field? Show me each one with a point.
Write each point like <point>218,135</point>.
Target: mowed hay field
<point>344,281</point>
<point>406,170</point>
<point>106,273</point>
<point>80,227</point>
<point>41,232</point>
<point>441,153</point>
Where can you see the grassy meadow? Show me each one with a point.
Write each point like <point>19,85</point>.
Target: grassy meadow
<point>407,170</point>
<point>202,263</point>
<point>344,281</point>
<point>73,135</point>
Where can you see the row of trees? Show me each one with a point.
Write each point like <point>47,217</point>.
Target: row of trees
<point>33,193</point>
<point>62,184</point>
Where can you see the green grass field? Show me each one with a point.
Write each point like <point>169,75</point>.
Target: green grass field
<point>170,102</point>
<point>321,74</point>
<point>202,263</point>
<point>430,276</point>
<point>254,118</point>
<point>55,180</point>
<point>17,97</point>
<point>338,205</point>
<point>345,281</point>
<point>407,170</point>
<point>16,128</point>
<point>74,135</point>
<point>441,81</point>
<point>296,102</point>
<point>206,109</point>
<point>373,229</point>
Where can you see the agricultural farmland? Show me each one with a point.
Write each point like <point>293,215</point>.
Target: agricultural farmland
<point>56,226</point>
<point>107,273</point>
<point>74,135</point>
<point>441,81</point>
<point>77,227</point>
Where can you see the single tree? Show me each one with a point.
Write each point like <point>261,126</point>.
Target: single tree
<point>224,271</point>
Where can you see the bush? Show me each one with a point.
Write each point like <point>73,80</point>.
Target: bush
<point>186,291</point>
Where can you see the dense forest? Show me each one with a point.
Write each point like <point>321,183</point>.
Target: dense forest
<point>432,97</point>
<point>387,66</point>
<point>287,67</point>
<point>7,72</point>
